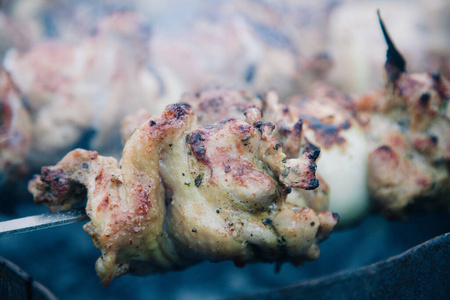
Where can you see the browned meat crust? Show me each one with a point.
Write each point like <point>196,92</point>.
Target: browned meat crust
<point>410,131</point>
<point>217,103</point>
<point>222,103</point>
<point>328,119</point>
<point>185,193</point>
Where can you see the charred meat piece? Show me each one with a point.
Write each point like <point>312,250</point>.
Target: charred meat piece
<point>221,103</point>
<point>409,133</point>
<point>184,193</point>
<point>211,104</point>
<point>215,103</point>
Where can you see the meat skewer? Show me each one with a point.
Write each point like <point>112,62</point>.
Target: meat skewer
<point>184,193</point>
<point>393,55</point>
<point>409,133</point>
<point>44,221</point>
<point>387,149</point>
<point>117,258</point>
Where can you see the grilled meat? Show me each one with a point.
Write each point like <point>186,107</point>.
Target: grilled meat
<point>391,146</point>
<point>184,193</point>
<point>328,119</point>
<point>358,54</point>
<point>15,130</point>
<point>73,89</point>
<point>217,103</point>
<point>409,133</point>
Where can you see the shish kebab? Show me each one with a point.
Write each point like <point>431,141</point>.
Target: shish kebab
<point>6,229</point>
<point>66,217</point>
<point>395,69</point>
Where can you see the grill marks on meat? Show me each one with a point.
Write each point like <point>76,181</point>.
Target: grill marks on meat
<point>185,193</point>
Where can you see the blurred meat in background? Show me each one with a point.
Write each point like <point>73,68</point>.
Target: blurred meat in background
<point>82,66</point>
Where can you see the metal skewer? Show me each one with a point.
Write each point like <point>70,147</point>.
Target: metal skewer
<point>43,221</point>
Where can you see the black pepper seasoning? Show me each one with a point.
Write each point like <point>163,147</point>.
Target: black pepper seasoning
<point>198,180</point>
